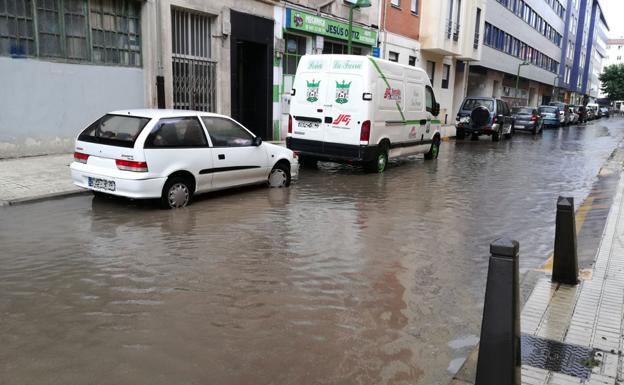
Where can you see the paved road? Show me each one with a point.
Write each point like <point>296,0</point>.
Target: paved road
<point>345,278</point>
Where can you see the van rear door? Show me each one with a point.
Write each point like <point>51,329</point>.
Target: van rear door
<point>307,105</point>
<point>344,109</point>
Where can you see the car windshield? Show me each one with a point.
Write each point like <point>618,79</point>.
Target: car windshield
<point>116,130</point>
<point>551,110</point>
<point>471,104</point>
<point>522,110</point>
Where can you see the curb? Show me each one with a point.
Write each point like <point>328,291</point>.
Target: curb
<point>43,197</point>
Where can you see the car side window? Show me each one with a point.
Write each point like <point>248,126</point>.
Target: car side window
<point>226,133</point>
<point>429,99</point>
<point>177,133</point>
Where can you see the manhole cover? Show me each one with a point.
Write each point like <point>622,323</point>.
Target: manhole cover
<point>556,356</point>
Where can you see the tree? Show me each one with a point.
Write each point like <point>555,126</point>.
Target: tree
<point>613,81</point>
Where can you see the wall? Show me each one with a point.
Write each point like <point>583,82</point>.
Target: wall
<point>49,103</point>
<point>404,46</point>
<point>444,96</point>
<point>400,20</point>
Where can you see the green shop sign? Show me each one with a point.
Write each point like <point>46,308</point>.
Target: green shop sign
<point>318,25</point>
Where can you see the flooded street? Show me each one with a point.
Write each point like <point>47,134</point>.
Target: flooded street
<point>344,278</point>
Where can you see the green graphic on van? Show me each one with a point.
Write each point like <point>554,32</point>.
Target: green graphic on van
<point>313,91</point>
<point>342,92</point>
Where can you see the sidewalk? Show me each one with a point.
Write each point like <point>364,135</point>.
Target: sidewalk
<point>575,334</point>
<point>35,178</point>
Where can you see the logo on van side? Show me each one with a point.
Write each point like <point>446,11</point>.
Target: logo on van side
<point>313,90</point>
<point>392,94</point>
<point>342,92</point>
<point>342,119</point>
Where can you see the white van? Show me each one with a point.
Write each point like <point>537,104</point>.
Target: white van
<point>361,110</point>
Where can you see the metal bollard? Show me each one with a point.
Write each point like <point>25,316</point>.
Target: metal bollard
<point>499,349</point>
<point>565,260</point>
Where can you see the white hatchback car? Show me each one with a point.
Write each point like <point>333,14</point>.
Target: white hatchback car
<point>173,154</point>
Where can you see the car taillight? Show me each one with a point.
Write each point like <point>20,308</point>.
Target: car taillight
<point>128,165</point>
<point>290,124</point>
<point>296,154</point>
<point>495,120</point>
<point>365,131</point>
<point>80,157</point>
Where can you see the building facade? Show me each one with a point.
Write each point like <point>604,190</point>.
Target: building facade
<point>614,55</point>
<point>521,37</point>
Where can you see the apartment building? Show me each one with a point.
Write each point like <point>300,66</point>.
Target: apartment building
<point>615,52</point>
<point>521,37</point>
<point>399,26</point>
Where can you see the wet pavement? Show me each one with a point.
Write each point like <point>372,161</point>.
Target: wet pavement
<point>344,278</point>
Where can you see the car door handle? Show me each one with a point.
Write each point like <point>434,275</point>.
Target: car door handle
<point>328,119</point>
<point>221,156</point>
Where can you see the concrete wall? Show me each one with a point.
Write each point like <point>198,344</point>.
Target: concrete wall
<point>404,46</point>
<point>444,96</point>
<point>46,104</point>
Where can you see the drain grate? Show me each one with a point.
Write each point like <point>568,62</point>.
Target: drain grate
<point>556,356</point>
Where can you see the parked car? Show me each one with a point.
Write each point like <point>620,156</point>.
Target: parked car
<point>592,111</point>
<point>605,112</point>
<point>574,117</point>
<point>527,118</point>
<point>172,155</point>
<point>361,110</point>
<point>564,113</point>
<point>551,116</point>
<point>484,116</point>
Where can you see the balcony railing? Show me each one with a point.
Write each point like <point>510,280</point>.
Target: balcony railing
<point>475,44</point>
<point>449,28</point>
<point>456,33</point>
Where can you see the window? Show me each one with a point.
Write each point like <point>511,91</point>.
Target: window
<point>295,48</point>
<point>177,133</point>
<point>395,3</point>
<point>116,130</point>
<point>412,61</point>
<point>414,7</point>
<point>100,31</point>
<point>227,133</point>
<point>431,70</point>
<point>429,99</point>
<point>393,56</point>
<point>475,44</point>
<point>330,47</point>
<point>446,73</point>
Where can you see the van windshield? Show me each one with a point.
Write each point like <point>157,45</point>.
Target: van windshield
<point>471,104</point>
<point>114,130</point>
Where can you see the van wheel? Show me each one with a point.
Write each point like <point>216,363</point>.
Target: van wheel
<point>461,134</point>
<point>279,176</point>
<point>176,193</point>
<point>434,151</point>
<point>378,165</point>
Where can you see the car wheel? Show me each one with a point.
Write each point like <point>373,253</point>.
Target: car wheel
<point>100,195</point>
<point>307,162</point>
<point>378,165</point>
<point>176,193</point>
<point>461,134</point>
<point>510,134</point>
<point>279,176</point>
<point>434,151</point>
<point>495,136</point>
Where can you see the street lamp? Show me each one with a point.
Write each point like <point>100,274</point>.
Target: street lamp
<point>524,63</point>
<point>352,4</point>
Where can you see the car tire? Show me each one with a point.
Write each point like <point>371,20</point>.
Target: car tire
<point>279,176</point>
<point>434,151</point>
<point>461,134</point>
<point>177,193</point>
<point>510,134</point>
<point>378,165</point>
<point>495,137</point>
<point>308,162</point>
<point>100,195</point>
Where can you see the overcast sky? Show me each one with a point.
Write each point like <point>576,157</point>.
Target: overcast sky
<point>614,10</point>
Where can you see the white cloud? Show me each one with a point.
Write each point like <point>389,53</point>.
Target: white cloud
<point>613,10</point>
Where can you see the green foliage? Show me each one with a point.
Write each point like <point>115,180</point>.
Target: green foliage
<point>613,81</point>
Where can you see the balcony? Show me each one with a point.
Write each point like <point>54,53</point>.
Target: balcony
<point>475,44</point>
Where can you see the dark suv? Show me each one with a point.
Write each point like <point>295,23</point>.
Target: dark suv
<point>484,116</point>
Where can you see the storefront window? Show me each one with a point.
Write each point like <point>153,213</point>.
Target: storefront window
<point>335,47</point>
<point>295,48</point>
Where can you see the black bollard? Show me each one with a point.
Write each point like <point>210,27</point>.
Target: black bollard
<point>565,263</point>
<point>499,349</point>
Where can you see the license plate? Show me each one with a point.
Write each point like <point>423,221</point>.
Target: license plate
<point>309,124</point>
<point>102,184</point>
<point>519,126</point>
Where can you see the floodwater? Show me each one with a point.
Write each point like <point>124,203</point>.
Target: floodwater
<point>344,278</point>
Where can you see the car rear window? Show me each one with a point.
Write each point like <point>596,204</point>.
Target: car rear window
<point>471,104</point>
<point>114,130</point>
<point>522,110</point>
<point>548,109</point>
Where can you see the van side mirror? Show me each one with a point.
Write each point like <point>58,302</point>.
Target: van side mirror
<point>435,111</point>
<point>257,141</point>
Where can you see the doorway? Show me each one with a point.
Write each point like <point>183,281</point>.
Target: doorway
<point>251,57</point>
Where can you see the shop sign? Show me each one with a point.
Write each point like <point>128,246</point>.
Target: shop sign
<point>306,22</point>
